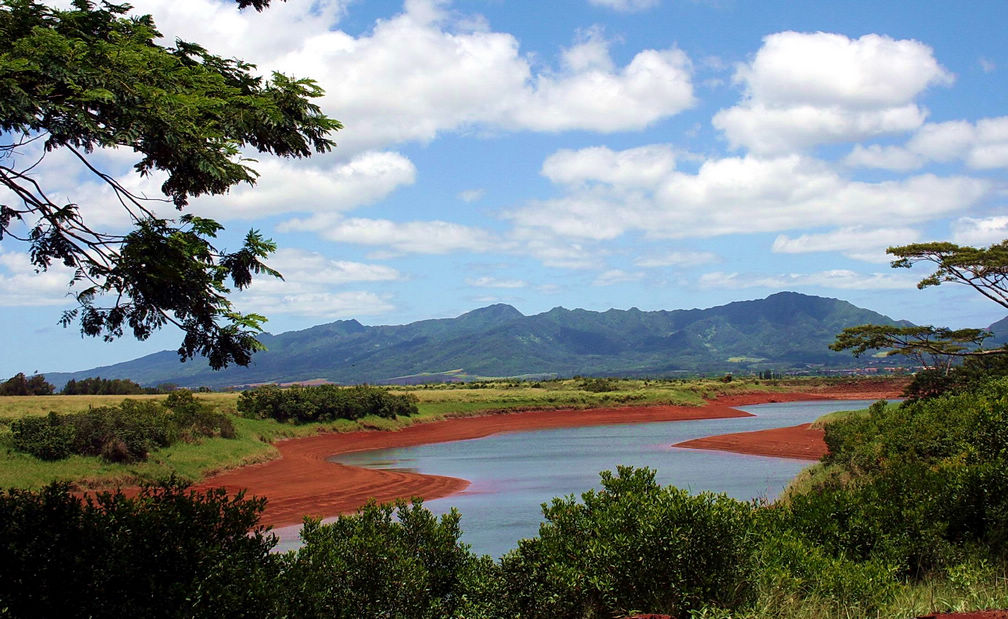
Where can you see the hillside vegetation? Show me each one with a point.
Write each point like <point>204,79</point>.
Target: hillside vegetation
<point>785,331</point>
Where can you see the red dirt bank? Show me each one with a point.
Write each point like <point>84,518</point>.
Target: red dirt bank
<point>302,482</point>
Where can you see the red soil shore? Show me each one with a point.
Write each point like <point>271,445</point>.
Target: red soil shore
<point>302,482</point>
<point>802,442</point>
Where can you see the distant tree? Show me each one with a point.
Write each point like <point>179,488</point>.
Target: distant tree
<point>102,386</point>
<point>938,349</point>
<point>93,77</point>
<point>19,384</point>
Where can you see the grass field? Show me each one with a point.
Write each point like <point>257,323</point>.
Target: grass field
<point>437,401</point>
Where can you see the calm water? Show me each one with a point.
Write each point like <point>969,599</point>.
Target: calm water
<point>512,474</point>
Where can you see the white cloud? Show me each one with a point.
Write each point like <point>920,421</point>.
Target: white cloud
<point>857,242</point>
<point>886,157</point>
<point>804,89</point>
<point>471,195</point>
<point>413,237</point>
<point>983,145</point>
<point>307,288</point>
<point>644,166</point>
<point>838,278</point>
<point>980,232</point>
<point>733,195</point>
<point>677,259</point>
<point>21,286</point>
<point>626,6</point>
<point>286,186</point>
<point>331,305</point>
<point>616,276</point>
<point>987,65</point>
<point>492,282</point>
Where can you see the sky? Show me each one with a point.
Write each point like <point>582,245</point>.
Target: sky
<point>657,154</point>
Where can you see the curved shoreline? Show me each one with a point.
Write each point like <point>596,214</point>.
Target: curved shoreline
<point>303,482</point>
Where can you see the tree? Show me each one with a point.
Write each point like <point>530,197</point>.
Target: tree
<point>938,348</point>
<point>93,77</point>
<point>19,384</point>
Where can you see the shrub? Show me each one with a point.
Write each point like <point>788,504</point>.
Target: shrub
<point>168,552</point>
<point>123,433</point>
<point>46,438</point>
<point>324,403</point>
<point>385,562</point>
<point>633,546</point>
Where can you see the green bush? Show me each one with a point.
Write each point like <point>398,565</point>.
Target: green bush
<point>385,562</point>
<point>46,438</point>
<point>302,404</point>
<point>633,546</point>
<point>123,433</point>
<point>168,552</point>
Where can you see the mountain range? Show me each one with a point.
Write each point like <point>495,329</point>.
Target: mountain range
<point>784,332</point>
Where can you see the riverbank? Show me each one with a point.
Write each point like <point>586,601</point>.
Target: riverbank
<point>303,482</point>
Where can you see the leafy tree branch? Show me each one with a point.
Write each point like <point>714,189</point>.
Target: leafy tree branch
<point>94,77</point>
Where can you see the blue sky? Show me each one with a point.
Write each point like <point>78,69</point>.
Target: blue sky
<point>658,154</point>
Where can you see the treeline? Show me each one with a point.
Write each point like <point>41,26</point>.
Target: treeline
<point>916,494</point>
<point>303,404</point>
<point>126,432</point>
<point>19,384</point>
<point>102,386</point>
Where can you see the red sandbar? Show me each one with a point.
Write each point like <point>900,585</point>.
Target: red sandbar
<point>302,482</point>
<point>802,442</point>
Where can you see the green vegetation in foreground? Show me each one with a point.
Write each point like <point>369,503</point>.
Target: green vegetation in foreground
<point>193,460</point>
<point>910,516</point>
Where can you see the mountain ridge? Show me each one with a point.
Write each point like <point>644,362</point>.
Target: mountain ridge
<point>785,331</point>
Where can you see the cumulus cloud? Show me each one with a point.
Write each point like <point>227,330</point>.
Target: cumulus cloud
<point>286,186</point>
<point>980,232</point>
<point>732,195</point>
<point>413,237</point>
<point>21,286</point>
<point>838,278</point>
<point>981,145</point>
<point>857,242</point>
<point>804,89</point>
<point>309,287</point>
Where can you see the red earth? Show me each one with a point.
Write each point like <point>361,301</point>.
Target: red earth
<point>302,482</point>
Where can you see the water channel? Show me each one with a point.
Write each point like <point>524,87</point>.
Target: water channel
<point>513,473</point>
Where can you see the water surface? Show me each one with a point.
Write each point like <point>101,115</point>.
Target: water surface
<point>513,473</point>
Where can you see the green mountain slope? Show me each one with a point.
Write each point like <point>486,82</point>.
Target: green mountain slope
<point>785,331</point>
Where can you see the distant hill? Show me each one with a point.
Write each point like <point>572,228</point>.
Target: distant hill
<point>785,331</point>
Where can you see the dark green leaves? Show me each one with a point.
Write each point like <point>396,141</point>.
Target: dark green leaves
<point>94,77</point>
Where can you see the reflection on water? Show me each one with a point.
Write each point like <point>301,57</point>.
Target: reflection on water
<point>512,474</point>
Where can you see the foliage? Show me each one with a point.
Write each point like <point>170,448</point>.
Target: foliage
<point>919,485</point>
<point>92,77</point>
<point>167,552</point>
<point>123,433</point>
<point>983,269</point>
<point>599,385</point>
<point>101,386</point>
<point>937,349</point>
<point>383,562</point>
<point>303,404</point>
<point>633,546</point>
<point>19,384</point>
